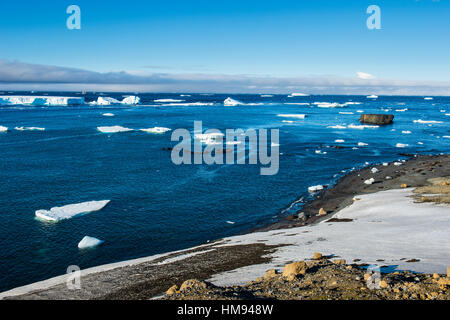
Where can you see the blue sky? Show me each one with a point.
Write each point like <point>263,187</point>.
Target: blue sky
<point>231,40</point>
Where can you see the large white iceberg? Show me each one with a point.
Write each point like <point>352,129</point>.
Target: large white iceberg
<point>131,100</point>
<point>70,210</point>
<point>231,102</point>
<point>113,129</point>
<point>41,100</point>
<point>107,101</point>
<point>89,242</point>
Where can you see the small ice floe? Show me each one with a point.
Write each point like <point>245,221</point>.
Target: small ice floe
<point>296,116</point>
<point>420,142</point>
<point>287,121</point>
<point>427,121</point>
<point>355,148</point>
<point>406,132</point>
<point>328,104</point>
<point>70,210</point>
<point>369,181</point>
<point>131,100</point>
<point>397,164</point>
<point>89,242</point>
<point>209,138</point>
<point>273,144</point>
<point>168,100</point>
<point>266,95</point>
<point>108,114</point>
<point>297,94</point>
<point>374,170</point>
<point>113,129</point>
<point>231,102</point>
<point>360,111</point>
<point>401,145</point>
<point>339,141</point>
<point>320,152</point>
<point>230,222</point>
<point>361,126</point>
<point>447,114</point>
<point>345,112</point>
<point>107,101</point>
<point>362,144</point>
<point>446,137</point>
<point>385,164</point>
<point>156,130</point>
<point>372,96</point>
<point>402,110</point>
<point>3,129</point>
<point>29,129</point>
<point>428,98</point>
<point>185,95</point>
<point>315,188</point>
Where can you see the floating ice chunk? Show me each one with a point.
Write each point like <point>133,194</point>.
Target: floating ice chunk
<point>374,170</point>
<point>337,127</point>
<point>267,95</point>
<point>230,222</point>
<point>372,96</point>
<point>89,242</point>
<point>231,102</point>
<point>402,110</point>
<point>427,121</point>
<point>156,130</point>
<point>385,164</point>
<point>209,138</point>
<point>168,100</point>
<point>369,181</point>
<point>29,129</point>
<point>287,121</point>
<point>108,114</point>
<point>401,145</point>
<point>406,132</point>
<point>315,188</point>
<point>362,144</point>
<point>361,126</point>
<point>420,142</point>
<point>360,111</point>
<point>113,129</point>
<point>329,105</point>
<point>296,94</point>
<point>70,210</point>
<point>130,100</point>
<point>339,140</point>
<point>447,114</point>
<point>428,98</point>
<point>446,137</point>
<point>397,164</point>
<point>320,152</point>
<point>297,116</point>
<point>3,129</point>
<point>41,100</point>
<point>105,101</point>
<point>341,112</point>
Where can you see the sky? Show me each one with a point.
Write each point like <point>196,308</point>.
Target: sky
<point>243,46</point>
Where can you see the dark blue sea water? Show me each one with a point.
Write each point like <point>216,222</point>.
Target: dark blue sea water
<point>157,206</point>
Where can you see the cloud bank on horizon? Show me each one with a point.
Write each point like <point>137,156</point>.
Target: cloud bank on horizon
<point>16,75</point>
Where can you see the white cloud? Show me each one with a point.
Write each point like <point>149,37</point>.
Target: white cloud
<point>365,76</point>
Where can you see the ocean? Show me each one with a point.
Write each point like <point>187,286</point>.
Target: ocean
<point>157,206</point>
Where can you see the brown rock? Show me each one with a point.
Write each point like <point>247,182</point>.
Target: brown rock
<point>270,274</point>
<point>322,212</point>
<point>448,272</point>
<point>404,185</point>
<point>193,284</point>
<point>436,276</point>
<point>172,290</point>
<point>444,283</point>
<point>340,261</point>
<point>384,284</point>
<point>317,256</point>
<point>378,119</point>
<point>292,270</point>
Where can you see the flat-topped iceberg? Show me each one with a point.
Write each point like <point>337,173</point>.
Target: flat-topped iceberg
<point>231,102</point>
<point>156,130</point>
<point>41,100</point>
<point>70,210</point>
<point>113,129</point>
<point>89,242</point>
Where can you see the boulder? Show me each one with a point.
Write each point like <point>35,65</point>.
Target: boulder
<point>292,270</point>
<point>270,274</point>
<point>193,284</point>
<point>172,290</point>
<point>317,256</point>
<point>378,119</point>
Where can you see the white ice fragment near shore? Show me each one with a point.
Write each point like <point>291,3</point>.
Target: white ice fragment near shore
<point>339,140</point>
<point>3,129</point>
<point>401,145</point>
<point>296,116</point>
<point>156,130</point>
<point>89,242</point>
<point>369,181</point>
<point>113,129</point>
<point>108,114</point>
<point>401,110</point>
<point>385,164</point>
<point>374,170</point>
<point>362,144</point>
<point>231,102</point>
<point>70,210</point>
<point>397,164</point>
<point>29,129</point>
<point>315,188</point>
<point>41,100</point>
<point>427,121</point>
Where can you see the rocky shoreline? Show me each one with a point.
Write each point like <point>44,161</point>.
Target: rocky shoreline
<point>150,277</point>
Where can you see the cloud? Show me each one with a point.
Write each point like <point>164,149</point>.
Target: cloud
<point>365,76</point>
<point>16,75</point>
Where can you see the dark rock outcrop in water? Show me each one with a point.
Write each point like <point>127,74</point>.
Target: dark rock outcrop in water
<point>379,119</point>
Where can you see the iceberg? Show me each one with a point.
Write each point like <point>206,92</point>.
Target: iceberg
<point>361,127</point>
<point>108,114</point>
<point>406,132</point>
<point>156,130</point>
<point>428,98</point>
<point>315,188</point>
<point>89,242</point>
<point>41,100</point>
<point>3,129</point>
<point>231,102</point>
<point>131,100</point>
<point>168,100</point>
<point>372,96</point>
<point>297,116</point>
<point>427,121</point>
<point>29,129</point>
<point>107,101</point>
<point>401,145</point>
<point>113,129</point>
<point>362,144</point>
<point>329,104</point>
<point>70,210</point>
<point>209,138</point>
<point>267,95</point>
<point>339,140</point>
<point>298,95</point>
